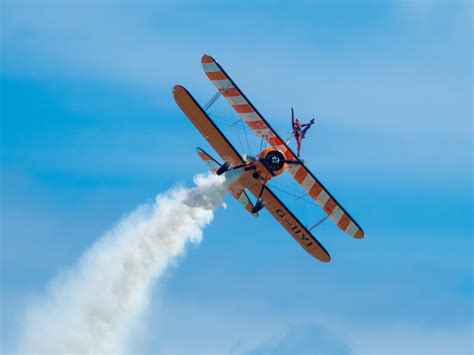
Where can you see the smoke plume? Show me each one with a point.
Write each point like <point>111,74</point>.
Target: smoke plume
<point>95,306</point>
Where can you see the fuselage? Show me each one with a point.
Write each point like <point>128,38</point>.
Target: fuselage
<point>269,163</point>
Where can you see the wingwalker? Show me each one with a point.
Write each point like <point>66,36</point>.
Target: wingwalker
<point>253,174</point>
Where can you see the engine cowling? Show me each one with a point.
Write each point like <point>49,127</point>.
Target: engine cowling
<point>273,160</point>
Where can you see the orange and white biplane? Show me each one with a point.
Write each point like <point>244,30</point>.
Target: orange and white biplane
<point>253,174</point>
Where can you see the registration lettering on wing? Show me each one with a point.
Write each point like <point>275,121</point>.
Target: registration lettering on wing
<point>297,231</point>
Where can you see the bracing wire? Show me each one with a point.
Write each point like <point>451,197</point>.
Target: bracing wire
<point>305,215</point>
<point>238,137</point>
<point>242,127</point>
<point>301,198</point>
<point>246,137</point>
<point>234,124</point>
<point>218,121</point>
<point>238,124</point>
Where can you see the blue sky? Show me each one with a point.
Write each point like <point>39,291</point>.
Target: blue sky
<point>90,130</point>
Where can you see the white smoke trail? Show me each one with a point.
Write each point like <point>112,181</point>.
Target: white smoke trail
<point>95,306</point>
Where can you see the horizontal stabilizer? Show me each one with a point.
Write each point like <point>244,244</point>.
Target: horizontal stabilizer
<point>240,195</point>
<point>244,200</point>
<point>211,163</point>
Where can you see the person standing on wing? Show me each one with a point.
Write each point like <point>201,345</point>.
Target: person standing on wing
<point>299,129</point>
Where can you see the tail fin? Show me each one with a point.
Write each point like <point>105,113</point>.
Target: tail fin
<point>241,196</point>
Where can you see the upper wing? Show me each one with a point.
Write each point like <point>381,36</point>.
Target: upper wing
<point>205,125</point>
<point>301,234</point>
<point>260,126</point>
<point>236,98</point>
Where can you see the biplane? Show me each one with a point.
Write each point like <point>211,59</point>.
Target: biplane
<point>254,173</point>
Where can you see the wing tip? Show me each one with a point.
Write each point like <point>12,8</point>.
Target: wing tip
<point>359,234</point>
<point>178,88</point>
<point>320,253</point>
<point>207,59</point>
<point>323,256</point>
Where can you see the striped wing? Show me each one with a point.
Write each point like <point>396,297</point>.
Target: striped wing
<point>260,126</point>
<point>325,200</point>
<point>236,98</point>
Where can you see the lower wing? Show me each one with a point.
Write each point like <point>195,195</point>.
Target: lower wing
<point>204,124</point>
<point>288,220</point>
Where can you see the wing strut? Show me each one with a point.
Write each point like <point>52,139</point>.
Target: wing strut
<point>319,222</point>
<point>212,100</point>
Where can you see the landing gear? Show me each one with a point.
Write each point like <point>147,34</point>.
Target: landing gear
<point>223,168</point>
<point>258,206</point>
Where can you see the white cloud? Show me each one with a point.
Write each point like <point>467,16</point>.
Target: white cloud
<point>307,339</point>
<point>116,43</point>
<point>403,338</point>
